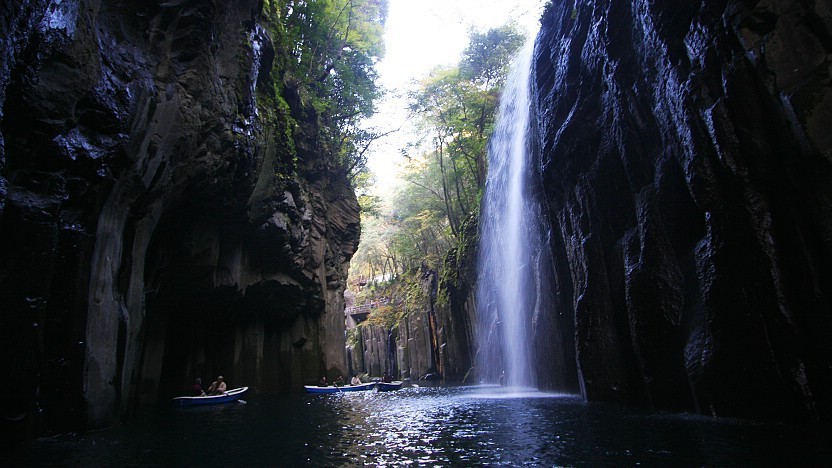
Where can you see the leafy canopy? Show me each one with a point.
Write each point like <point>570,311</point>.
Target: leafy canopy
<point>327,52</point>
<point>444,174</point>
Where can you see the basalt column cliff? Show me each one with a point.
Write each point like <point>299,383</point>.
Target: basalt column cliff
<point>160,219</point>
<point>686,154</point>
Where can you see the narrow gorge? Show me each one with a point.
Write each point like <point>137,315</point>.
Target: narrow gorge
<point>682,156</point>
<point>171,207</point>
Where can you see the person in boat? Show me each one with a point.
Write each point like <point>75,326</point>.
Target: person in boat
<point>339,382</point>
<point>387,378</point>
<point>196,388</point>
<point>323,382</point>
<point>217,387</point>
<point>355,380</point>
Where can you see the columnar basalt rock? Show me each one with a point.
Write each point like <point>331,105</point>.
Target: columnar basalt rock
<point>686,159</point>
<point>156,223</point>
<point>434,335</point>
<point>418,334</point>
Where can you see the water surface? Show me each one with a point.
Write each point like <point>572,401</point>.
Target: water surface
<point>440,426</point>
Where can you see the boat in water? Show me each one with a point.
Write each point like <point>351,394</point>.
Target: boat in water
<point>389,386</point>
<point>225,397</point>
<point>339,389</point>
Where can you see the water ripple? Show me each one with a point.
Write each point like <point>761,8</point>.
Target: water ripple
<point>443,426</point>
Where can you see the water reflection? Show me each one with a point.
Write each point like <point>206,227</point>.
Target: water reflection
<point>459,426</point>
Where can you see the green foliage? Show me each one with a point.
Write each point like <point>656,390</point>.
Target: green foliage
<point>370,204</point>
<point>459,266</point>
<point>456,108</point>
<point>415,297</point>
<point>444,176</point>
<point>324,72</point>
<point>353,337</point>
<point>385,316</point>
<point>486,59</point>
<point>390,311</point>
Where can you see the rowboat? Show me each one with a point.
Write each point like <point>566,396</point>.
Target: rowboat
<point>389,386</point>
<point>344,388</point>
<point>225,397</point>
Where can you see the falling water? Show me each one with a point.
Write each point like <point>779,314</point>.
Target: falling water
<point>511,246</point>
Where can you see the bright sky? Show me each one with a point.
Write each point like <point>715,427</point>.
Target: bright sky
<point>420,35</point>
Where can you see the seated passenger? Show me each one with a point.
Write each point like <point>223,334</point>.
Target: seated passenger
<point>217,387</point>
<point>196,388</point>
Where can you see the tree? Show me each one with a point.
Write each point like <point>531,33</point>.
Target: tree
<point>456,107</point>
<point>334,46</point>
<point>487,58</point>
<point>444,174</point>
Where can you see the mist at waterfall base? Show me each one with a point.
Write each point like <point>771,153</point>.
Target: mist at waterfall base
<point>513,258</point>
<point>437,426</point>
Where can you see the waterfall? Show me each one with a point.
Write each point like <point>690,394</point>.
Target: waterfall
<point>513,255</point>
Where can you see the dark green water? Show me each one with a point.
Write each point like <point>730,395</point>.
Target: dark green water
<point>440,426</point>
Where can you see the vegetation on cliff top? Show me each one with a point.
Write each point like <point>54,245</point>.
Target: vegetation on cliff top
<point>324,73</point>
<point>432,212</point>
<point>444,175</point>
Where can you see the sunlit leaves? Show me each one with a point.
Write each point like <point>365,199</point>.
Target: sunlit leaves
<point>444,173</point>
<point>486,59</point>
<point>456,109</point>
<point>333,47</point>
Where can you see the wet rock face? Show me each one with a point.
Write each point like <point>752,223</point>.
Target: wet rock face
<point>686,157</point>
<point>154,225</point>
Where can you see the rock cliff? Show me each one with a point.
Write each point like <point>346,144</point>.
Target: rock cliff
<point>434,335</point>
<point>159,218</point>
<point>407,344</point>
<point>686,159</point>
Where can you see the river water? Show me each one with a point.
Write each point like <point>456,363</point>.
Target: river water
<point>428,426</point>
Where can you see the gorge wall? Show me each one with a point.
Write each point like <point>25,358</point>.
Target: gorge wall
<point>430,334</point>
<point>433,337</point>
<point>159,218</point>
<point>686,160</point>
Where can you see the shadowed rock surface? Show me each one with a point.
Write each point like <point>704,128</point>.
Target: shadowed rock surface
<point>156,222</point>
<point>685,151</point>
